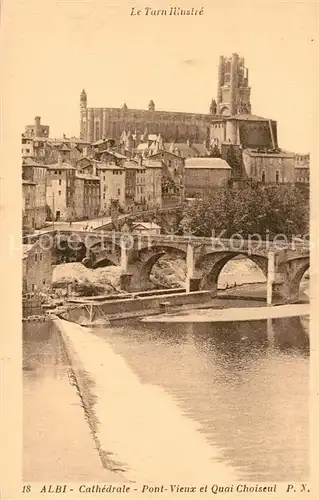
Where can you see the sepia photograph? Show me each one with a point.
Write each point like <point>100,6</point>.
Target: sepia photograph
<point>164,178</point>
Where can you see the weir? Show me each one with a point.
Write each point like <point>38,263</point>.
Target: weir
<point>127,409</point>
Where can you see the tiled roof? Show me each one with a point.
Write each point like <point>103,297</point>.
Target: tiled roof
<point>200,148</point>
<point>146,225</point>
<point>152,163</point>
<point>270,153</point>
<point>247,117</point>
<point>217,163</point>
<point>114,153</point>
<point>61,166</point>
<point>86,177</point>
<point>29,162</point>
<point>30,183</point>
<point>104,166</point>
<point>142,146</point>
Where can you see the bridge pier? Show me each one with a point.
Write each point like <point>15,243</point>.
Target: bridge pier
<point>192,284</point>
<point>270,277</point>
<point>124,258</point>
<point>125,282</point>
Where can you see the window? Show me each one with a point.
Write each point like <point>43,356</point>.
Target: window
<point>27,150</point>
<point>40,256</point>
<point>43,282</point>
<point>263,177</point>
<point>121,173</point>
<point>55,172</point>
<point>60,182</point>
<point>60,172</point>
<point>32,287</point>
<point>59,193</point>
<point>119,192</point>
<point>35,257</point>
<point>277,177</point>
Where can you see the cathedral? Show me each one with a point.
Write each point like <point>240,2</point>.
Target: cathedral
<point>233,97</point>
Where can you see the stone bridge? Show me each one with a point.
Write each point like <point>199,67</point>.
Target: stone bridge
<point>282,264</point>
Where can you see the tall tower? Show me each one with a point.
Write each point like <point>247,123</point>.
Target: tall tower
<point>233,92</point>
<point>83,113</point>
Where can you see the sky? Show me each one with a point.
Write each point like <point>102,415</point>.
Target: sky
<point>53,49</point>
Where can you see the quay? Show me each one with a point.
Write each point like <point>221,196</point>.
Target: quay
<point>233,314</point>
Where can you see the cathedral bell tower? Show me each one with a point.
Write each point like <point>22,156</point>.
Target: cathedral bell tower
<point>83,113</point>
<point>233,92</point>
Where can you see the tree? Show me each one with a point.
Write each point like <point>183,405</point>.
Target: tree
<point>264,210</point>
<point>215,153</point>
<point>233,161</point>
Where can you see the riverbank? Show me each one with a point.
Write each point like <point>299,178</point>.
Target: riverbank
<point>57,440</point>
<point>234,314</point>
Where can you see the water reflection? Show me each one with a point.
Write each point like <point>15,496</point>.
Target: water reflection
<point>246,383</point>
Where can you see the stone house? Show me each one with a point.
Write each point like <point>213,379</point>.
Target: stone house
<point>173,177</point>
<point>112,183</point>
<point>28,205</point>
<point>269,166</point>
<point>302,169</point>
<point>204,174</point>
<point>61,191</point>
<point>37,173</point>
<point>153,183</point>
<point>36,267</point>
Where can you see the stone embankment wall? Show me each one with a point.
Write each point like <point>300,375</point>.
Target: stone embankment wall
<point>139,306</point>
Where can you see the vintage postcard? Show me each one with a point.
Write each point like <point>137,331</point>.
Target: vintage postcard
<point>158,306</point>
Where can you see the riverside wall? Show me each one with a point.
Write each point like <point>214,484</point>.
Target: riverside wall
<point>139,306</point>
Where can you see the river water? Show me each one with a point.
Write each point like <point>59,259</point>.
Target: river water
<point>226,400</point>
<point>244,386</point>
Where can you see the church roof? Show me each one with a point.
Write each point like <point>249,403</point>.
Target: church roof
<point>217,163</point>
<point>200,148</point>
<point>247,117</point>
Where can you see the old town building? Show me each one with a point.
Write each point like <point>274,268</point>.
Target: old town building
<point>132,168</point>
<point>60,193</point>
<point>28,205</point>
<point>87,196</point>
<point>140,184</point>
<point>302,169</point>
<point>27,150</point>
<point>202,175</point>
<point>37,173</point>
<point>153,183</point>
<point>269,166</point>
<point>173,174</point>
<point>112,183</point>
<point>37,129</point>
<point>36,267</point>
<point>248,131</point>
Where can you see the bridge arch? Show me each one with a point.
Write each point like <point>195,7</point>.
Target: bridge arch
<point>209,267</point>
<point>104,252</point>
<point>293,270</point>
<point>141,263</point>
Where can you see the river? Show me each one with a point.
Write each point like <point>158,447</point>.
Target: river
<point>227,401</point>
<point>236,390</point>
